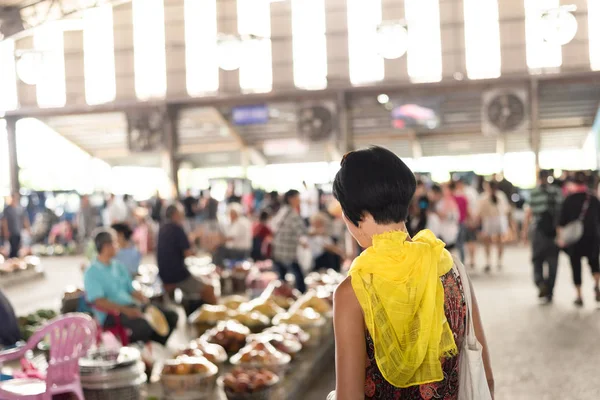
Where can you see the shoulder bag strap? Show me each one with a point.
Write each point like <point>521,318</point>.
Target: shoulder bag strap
<point>466,284</point>
<point>586,205</point>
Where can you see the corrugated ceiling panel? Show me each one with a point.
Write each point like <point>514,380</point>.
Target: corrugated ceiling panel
<point>457,145</point>
<point>517,142</point>
<point>563,139</point>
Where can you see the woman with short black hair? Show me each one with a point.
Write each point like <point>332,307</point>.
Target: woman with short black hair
<point>401,311</point>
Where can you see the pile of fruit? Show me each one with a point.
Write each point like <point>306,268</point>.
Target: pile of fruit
<point>242,381</point>
<point>231,335</point>
<point>200,348</point>
<point>184,365</point>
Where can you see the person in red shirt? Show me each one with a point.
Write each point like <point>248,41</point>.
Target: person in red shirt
<point>261,237</point>
<point>463,210</point>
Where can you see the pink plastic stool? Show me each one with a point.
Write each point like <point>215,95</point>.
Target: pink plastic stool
<point>70,337</point>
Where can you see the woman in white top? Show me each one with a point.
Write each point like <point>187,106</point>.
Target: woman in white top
<point>493,211</point>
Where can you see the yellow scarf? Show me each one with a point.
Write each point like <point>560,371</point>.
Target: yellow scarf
<point>397,283</point>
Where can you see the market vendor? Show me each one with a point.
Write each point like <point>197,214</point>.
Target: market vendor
<point>237,239</point>
<point>172,248</point>
<point>109,288</point>
<point>15,220</point>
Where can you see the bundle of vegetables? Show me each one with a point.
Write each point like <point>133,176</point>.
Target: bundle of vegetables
<point>32,322</point>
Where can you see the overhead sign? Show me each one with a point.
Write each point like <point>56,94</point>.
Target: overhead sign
<point>250,115</point>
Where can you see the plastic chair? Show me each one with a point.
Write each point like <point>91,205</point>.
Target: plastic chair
<point>70,337</point>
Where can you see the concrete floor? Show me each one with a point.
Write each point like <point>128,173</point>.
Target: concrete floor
<point>538,352</point>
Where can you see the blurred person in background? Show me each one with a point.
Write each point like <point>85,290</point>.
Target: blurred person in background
<point>14,222</point>
<point>542,215</point>
<point>471,226</point>
<point>116,210</point>
<point>128,254</point>
<point>443,217</point>
<point>86,219</point>
<point>190,206</point>
<point>289,228</point>
<point>493,212</point>
<point>325,253</point>
<point>463,216</point>
<point>143,234</point>
<point>262,235</point>
<point>272,203</point>
<point>583,205</point>
<point>419,207</point>
<point>9,328</point>
<point>108,286</point>
<point>172,248</point>
<point>309,202</point>
<point>130,206</point>
<point>209,208</point>
<point>402,295</point>
<point>237,237</point>
<point>156,208</point>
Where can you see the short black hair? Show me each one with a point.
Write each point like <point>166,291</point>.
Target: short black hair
<point>171,210</point>
<point>123,229</point>
<point>289,194</point>
<point>264,216</point>
<point>374,181</point>
<point>452,185</point>
<point>581,178</point>
<point>102,238</point>
<point>437,189</point>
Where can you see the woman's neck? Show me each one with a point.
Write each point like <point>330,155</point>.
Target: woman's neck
<point>379,229</point>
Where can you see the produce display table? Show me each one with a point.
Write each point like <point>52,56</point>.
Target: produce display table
<point>18,277</point>
<point>303,371</point>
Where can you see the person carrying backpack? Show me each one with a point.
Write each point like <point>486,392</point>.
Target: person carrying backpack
<point>544,210</point>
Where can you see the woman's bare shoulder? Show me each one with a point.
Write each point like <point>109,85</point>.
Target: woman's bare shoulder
<point>344,296</point>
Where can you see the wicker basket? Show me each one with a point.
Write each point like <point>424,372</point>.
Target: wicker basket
<point>266,394</point>
<point>188,386</point>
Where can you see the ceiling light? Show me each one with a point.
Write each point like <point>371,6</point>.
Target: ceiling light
<point>383,98</point>
<point>559,25</point>
<point>29,66</point>
<point>229,52</point>
<point>392,39</point>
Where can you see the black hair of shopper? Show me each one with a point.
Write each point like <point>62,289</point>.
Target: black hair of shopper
<point>289,195</point>
<point>494,189</point>
<point>581,178</point>
<point>452,185</point>
<point>123,229</point>
<point>171,211</point>
<point>264,216</point>
<point>101,239</point>
<point>437,189</point>
<point>374,181</point>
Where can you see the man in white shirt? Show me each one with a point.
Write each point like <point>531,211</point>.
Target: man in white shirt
<point>116,210</point>
<point>237,241</point>
<point>309,202</point>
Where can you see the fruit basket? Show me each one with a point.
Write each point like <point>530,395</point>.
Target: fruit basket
<point>214,353</point>
<point>231,335</point>
<point>189,378</point>
<point>307,319</point>
<point>249,384</point>
<point>261,355</point>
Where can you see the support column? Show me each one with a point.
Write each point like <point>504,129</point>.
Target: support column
<point>170,161</point>
<point>346,138</point>
<point>13,164</point>
<point>535,137</point>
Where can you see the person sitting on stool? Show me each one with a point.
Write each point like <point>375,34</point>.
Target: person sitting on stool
<point>109,288</point>
<point>172,248</point>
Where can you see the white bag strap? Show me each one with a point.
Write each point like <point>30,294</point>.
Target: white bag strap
<point>466,284</point>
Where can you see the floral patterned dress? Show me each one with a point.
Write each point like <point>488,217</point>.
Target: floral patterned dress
<point>377,388</point>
